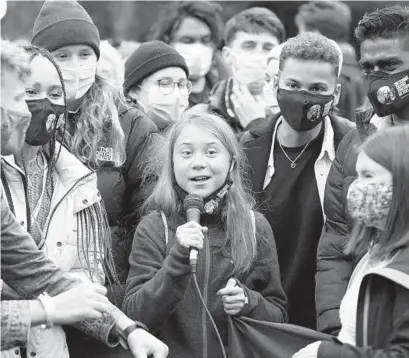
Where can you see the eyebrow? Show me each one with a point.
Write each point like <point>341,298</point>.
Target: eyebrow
<point>190,143</point>
<point>379,60</point>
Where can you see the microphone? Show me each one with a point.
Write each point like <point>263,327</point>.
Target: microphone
<point>193,205</point>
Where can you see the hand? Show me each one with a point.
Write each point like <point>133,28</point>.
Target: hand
<point>143,345</point>
<point>233,297</point>
<point>85,301</point>
<point>310,351</point>
<point>246,107</point>
<point>190,235</point>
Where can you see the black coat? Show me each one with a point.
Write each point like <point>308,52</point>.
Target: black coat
<point>334,268</point>
<point>384,331</point>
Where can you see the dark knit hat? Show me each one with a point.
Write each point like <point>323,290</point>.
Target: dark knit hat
<point>149,58</point>
<point>64,23</point>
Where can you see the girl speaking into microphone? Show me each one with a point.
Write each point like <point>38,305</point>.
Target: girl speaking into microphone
<point>237,267</point>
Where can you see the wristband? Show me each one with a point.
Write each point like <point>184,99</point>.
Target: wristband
<point>49,308</point>
<point>128,330</point>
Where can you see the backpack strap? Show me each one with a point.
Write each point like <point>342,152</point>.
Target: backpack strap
<point>165,224</point>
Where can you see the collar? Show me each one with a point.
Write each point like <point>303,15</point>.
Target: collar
<point>69,169</point>
<point>328,147</point>
<point>381,122</point>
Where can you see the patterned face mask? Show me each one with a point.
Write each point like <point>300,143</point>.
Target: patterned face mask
<point>369,203</point>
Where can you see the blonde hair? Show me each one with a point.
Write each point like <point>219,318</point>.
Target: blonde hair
<point>112,55</point>
<point>14,58</point>
<point>236,215</point>
<point>97,125</point>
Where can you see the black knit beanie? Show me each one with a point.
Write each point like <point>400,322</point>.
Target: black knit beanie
<point>149,58</point>
<point>64,23</point>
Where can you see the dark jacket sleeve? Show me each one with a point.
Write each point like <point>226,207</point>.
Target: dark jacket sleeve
<point>266,298</point>
<point>24,267</point>
<point>334,268</point>
<point>155,284</point>
<point>397,341</point>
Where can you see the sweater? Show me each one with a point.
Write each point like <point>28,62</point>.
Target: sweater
<point>160,291</point>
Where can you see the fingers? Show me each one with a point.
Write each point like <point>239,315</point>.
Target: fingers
<point>98,288</point>
<point>191,234</point>
<point>190,224</point>
<point>234,299</point>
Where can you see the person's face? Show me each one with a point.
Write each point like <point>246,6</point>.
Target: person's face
<point>164,92</point>
<point>74,56</point>
<point>312,76</point>
<point>370,171</point>
<point>13,128</point>
<point>385,55</point>
<point>247,56</point>
<point>192,30</point>
<point>44,82</point>
<point>200,161</point>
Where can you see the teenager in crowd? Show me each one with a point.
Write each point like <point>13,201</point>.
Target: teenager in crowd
<point>374,311</point>
<point>249,37</point>
<point>101,131</point>
<point>156,82</point>
<point>383,36</point>
<point>333,19</point>
<point>24,267</point>
<point>237,268</point>
<point>291,155</point>
<point>195,30</point>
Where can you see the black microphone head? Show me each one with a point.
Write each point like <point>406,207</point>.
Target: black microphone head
<point>193,201</point>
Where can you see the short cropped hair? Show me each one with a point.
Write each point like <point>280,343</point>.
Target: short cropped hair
<point>254,21</point>
<point>330,18</point>
<point>312,46</point>
<point>388,22</point>
<point>171,18</point>
<point>15,59</point>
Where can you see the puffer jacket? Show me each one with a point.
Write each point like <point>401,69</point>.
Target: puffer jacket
<point>120,188</point>
<point>160,289</point>
<point>334,268</point>
<point>75,194</point>
<point>382,325</point>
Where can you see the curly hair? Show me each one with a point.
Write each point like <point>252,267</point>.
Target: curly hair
<point>172,17</point>
<point>312,46</point>
<point>15,59</point>
<point>97,124</point>
<point>254,20</point>
<point>388,22</point>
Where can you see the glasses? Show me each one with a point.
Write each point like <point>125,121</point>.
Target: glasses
<point>167,86</point>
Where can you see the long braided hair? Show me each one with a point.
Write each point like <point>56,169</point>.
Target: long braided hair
<point>93,235</point>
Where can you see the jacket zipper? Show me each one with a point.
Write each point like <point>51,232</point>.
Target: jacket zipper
<point>366,313</point>
<point>205,294</point>
<point>59,202</point>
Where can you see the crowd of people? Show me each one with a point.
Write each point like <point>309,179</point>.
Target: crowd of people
<point>296,151</point>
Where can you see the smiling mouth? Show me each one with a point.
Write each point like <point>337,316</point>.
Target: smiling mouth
<point>200,179</point>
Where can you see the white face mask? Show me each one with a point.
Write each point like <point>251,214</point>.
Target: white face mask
<point>168,107</point>
<point>198,58</point>
<point>270,96</point>
<point>248,68</point>
<point>78,80</point>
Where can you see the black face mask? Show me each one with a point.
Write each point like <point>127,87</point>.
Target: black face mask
<point>43,117</point>
<point>302,110</point>
<point>213,202</point>
<point>387,93</point>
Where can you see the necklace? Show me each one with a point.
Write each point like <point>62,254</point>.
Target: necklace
<point>293,162</point>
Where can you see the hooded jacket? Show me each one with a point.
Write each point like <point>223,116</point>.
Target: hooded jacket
<point>382,326</point>
<point>334,268</point>
<point>161,292</point>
